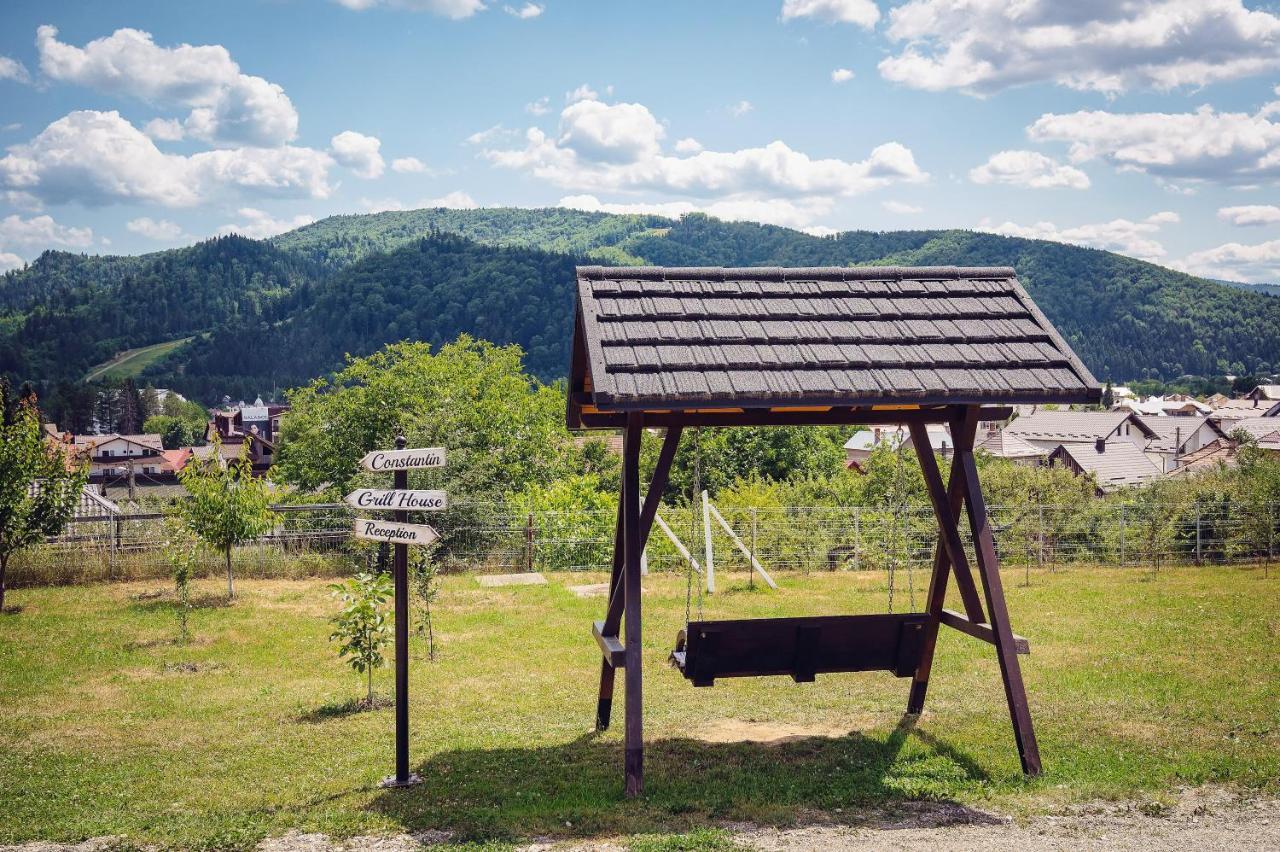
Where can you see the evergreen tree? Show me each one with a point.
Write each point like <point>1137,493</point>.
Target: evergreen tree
<point>131,409</point>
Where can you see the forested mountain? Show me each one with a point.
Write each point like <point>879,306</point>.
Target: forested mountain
<point>272,314</point>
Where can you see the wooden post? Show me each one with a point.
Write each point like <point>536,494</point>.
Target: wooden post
<point>632,546</point>
<point>708,552</point>
<point>989,567</point>
<point>961,429</point>
<point>613,613</point>
<point>528,543</point>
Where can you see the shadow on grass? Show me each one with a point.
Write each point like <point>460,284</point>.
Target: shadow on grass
<point>574,789</point>
<point>11,609</point>
<point>339,708</point>
<point>151,602</point>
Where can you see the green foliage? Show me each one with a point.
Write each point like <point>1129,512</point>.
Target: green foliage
<point>40,485</point>
<point>573,521</point>
<point>503,431</point>
<point>362,627</point>
<point>227,505</point>
<point>180,550</point>
<point>174,432</point>
<point>424,574</point>
<point>727,455</point>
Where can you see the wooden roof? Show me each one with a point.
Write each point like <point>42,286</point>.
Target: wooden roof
<point>711,338</point>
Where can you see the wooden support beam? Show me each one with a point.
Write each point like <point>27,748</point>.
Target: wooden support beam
<point>708,549</point>
<point>632,545</point>
<point>836,416</point>
<point>677,543</point>
<point>746,551</point>
<point>610,646</point>
<point>613,612</point>
<point>961,432</point>
<point>951,618</point>
<point>989,567</point>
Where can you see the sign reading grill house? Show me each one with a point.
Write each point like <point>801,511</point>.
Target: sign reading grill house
<point>400,500</point>
<point>382,498</point>
<point>384,460</point>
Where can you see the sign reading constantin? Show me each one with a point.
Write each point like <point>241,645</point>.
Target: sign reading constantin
<point>397,500</point>
<point>394,532</point>
<point>392,460</point>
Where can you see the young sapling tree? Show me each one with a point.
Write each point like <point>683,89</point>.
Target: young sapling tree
<point>362,627</point>
<point>423,574</point>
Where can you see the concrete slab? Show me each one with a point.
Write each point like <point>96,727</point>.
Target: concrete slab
<point>528,579</point>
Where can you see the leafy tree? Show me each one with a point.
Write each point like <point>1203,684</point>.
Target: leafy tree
<point>174,432</point>
<point>227,505</point>
<point>1259,491</point>
<point>362,626</point>
<point>40,485</point>
<point>181,552</point>
<point>424,575</point>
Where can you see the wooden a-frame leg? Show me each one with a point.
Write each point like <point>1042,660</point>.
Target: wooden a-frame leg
<point>632,547</point>
<point>613,613</point>
<point>989,567</point>
<point>941,560</point>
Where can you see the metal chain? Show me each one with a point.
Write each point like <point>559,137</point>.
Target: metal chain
<point>693,522</point>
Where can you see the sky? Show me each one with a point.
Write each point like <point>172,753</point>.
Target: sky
<point>1147,127</point>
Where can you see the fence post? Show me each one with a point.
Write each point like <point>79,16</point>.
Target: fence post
<point>1122,526</point>
<point>115,547</point>
<point>1199,558</point>
<point>751,574</point>
<point>857,538</point>
<point>708,554</point>
<point>1040,512</point>
<point>528,543</point>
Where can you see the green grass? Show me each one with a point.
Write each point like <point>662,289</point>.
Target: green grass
<point>1136,685</point>
<point>131,362</point>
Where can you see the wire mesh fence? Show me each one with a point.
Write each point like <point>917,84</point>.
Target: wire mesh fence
<point>316,540</point>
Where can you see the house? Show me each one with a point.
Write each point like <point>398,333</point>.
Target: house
<point>116,455</point>
<point>1047,429</point>
<point>257,425</point>
<point>1259,428</point>
<point>1212,456</point>
<point>1237,409</point>
<point>1001,444</point>
<point>1113,465</point>
<point>1175,437</point>
<point>1175,405</point>
<point>1264,393</point>
<point>1216,400</point>
<point>861,444</point>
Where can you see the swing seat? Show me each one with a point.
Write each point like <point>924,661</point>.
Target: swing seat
<point>800,647</point>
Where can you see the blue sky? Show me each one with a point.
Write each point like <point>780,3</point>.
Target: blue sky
<point>1150,127</point>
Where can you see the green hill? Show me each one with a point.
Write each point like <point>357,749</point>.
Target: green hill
<point>273,314</point>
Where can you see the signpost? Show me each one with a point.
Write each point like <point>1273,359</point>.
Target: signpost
<point>400,500</point>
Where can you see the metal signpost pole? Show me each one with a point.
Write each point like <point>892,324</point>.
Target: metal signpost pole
<point>400,570</point>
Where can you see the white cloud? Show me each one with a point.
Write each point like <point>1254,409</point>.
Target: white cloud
<point>864,13</point>
<point>525,12</point>
<point>455,9</point>
<point>1250,214</point>
<point>841,75</point>
<point>161,230</point>
<point>95,157</point>
<point>787,213</point>
<point>226,105</point>
<point>582,93</point>
<point>901,207</point>
<point>1225,147</point>
<point>457,200</point>
<point>541,106</point>
<point>9,260</point>
<point>1135,239</point>
<point>1257,264</point>
<point>489,135</point>
<point>12,69</point>
<point>610,133</point>
<point>358,152</point>
<point>164,129</point>
<point>741,108</point>
<point>983,46</point>
<point>260,225</point>
<point>408,166</point>
<point>1030,169</point>
<point>688,145</point>
<point>41,232</point>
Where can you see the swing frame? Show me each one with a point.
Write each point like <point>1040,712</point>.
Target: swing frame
<point>767,347</point>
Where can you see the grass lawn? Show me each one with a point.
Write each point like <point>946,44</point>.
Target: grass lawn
<point>108,727</point>
<point>131,362</point>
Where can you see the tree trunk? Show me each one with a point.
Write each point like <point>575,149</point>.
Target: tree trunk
<point>231,583</point>
<point>4,567</point>
<point>369,699</point>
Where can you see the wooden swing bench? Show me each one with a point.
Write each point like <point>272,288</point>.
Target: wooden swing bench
<point>675,348</point>
<point>800,647</point>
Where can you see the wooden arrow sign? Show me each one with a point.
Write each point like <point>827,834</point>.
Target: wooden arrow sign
<point>397,500</point>
<point>384,460</point>
<point>394,533</point>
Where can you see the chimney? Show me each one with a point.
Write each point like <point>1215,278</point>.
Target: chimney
<point>1100,445</point>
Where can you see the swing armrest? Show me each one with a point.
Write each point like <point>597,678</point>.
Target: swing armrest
<point>611,646</point>
<point>982,631</point>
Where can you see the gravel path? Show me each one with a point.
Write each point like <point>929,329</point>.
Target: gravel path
<point>1201,819</point>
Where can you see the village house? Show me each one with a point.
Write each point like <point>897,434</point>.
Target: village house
<point>116,455</point>
<point>1175,437</point>
<point>1114,465</point>
<point>861,444</point>
<point>1001,444</point>
<point>252,429</point>
<point>1047,429</point>
<point>1175,405</point>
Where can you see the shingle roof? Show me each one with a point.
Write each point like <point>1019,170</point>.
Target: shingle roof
<point>1006,446</point>
<point>1219,452</point>
<point>1068,426</point>
<point>1258,427</point>
<point>1171,433</point>
<point>1120,465</point>
<point>654,337</point>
